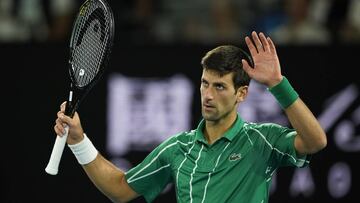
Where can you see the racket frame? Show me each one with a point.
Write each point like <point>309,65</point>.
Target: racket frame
<point>77,93</point>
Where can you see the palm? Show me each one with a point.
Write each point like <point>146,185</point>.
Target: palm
<point>267,66</point>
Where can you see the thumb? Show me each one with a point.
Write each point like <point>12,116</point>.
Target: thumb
<point>62,106</point>
<point>247,68</point>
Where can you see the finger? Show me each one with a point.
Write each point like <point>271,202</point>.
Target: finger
<point>65,119</point>
<point>59,131</point>
<point>247,68</point>
<point>257,41</point>
<point>60,114</point>
<point>62,106</point>
<point>61,123</point>
<point>272,45</point>
<point>264,42</point>
<point>250,46</point>
<point>59,128</point>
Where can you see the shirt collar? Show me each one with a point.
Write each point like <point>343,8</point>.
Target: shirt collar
<point>229,134</point>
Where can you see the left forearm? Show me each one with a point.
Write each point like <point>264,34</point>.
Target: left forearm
<point>266,70</point>
<point>310,135</point>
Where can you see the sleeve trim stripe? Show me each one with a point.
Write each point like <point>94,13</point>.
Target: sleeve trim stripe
<point>141,177</point>
<point>152,161</point>
<point>299,162</point>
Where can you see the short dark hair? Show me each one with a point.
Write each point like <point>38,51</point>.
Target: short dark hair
<point>226,59</point>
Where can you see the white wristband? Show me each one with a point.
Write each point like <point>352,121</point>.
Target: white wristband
<point>84,151</point>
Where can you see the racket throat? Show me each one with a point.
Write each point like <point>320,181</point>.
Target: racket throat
<point>69,105</point>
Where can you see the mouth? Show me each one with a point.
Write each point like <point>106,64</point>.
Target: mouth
<point>208,107</point>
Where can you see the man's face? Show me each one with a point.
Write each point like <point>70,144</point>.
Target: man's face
<point>218,95</point>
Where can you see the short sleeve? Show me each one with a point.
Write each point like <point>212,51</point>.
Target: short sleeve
<point>151,176</point>
<point>282,141</point>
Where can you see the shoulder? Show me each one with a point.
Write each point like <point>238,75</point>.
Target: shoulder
<point>176,143</point>
<point>260,126</point>
<point>268,132</point>
<point>181,138</point>
<point>264,129</point>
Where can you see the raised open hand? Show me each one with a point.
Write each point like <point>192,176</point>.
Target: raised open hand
<point>266,68</point>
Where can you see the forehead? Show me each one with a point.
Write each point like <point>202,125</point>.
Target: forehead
<point>212,76</point>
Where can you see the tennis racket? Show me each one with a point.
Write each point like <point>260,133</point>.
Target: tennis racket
<point>90,47</point>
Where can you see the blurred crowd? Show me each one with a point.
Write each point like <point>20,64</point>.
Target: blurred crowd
<point>289,22</point>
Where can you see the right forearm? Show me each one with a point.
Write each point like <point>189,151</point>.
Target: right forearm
<point>106,176</point>
<point>109,179</point>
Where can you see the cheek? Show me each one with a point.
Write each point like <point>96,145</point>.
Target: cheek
<point>201,92</point>
<point>227,100</point>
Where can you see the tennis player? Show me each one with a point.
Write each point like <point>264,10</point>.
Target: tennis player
<point>225,159</point>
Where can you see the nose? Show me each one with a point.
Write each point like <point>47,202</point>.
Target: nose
<point>208,93</point>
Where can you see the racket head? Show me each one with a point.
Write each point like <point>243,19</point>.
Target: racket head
<point>90,48</point>
<point>91,42</point>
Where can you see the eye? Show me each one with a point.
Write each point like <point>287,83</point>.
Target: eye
<point>219,87</point>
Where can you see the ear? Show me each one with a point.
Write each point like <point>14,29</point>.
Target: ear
<point>241,93</point>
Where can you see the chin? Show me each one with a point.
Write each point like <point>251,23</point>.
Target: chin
<point>209,117</point>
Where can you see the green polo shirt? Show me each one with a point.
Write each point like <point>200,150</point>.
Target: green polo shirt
<point>237,168</point>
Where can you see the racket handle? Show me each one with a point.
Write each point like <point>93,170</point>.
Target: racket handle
<point>53,165</point>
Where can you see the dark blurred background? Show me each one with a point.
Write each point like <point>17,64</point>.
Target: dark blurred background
<point>152,81</point>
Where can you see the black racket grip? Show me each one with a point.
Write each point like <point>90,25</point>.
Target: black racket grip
<point>69,109</point>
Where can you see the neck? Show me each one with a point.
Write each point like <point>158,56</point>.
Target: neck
<point>215,129</point>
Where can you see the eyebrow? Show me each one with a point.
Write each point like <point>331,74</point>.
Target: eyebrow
<point>215,83</point>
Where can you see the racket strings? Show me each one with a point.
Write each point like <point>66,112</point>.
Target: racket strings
<point>90,42</point>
